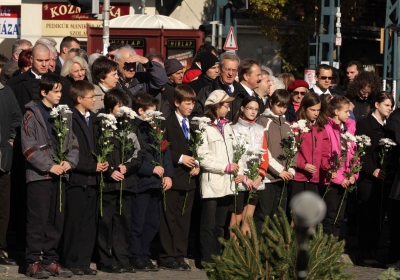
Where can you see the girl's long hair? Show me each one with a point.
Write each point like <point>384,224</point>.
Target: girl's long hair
<point>211,111</point>
<point>309,100</point>
<point>244,103</point>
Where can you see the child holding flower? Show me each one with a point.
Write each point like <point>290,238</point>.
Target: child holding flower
<point>313,154</point>
<point>340,154</point>
<point>371,179</point>
<point>45,221</point>
<point>114,225</point>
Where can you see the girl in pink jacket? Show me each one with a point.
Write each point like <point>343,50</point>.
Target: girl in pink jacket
<point>337,111</point>
<point>313,154</point>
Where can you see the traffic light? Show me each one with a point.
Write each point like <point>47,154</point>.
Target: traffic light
<point>87,6</point>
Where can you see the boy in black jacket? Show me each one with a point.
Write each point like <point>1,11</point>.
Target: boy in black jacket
<point>145,219</point>
<point>175,221</point>
<point>81,194</point>
<point>113,232</point>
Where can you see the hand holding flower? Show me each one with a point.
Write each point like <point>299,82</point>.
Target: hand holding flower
<point>195,171</point>
<point>379,173</point>
<point>188,161</point>
<point>239,179</point>
<point>167,183</point>
<point>352,180</point>
<point>65,165</point>
<point>257,182</point>
<point>346,183</point>
<point>158,170</point>
<point>117,176</point>
<point>333,175</point>
<point>57,169</point>
<point>122,169</point>
<point>286,176</point>
<point>310,168</point>
<point>232,168</point>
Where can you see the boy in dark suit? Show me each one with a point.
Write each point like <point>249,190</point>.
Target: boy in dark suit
<point>81,194</point>
<point>175,223</point>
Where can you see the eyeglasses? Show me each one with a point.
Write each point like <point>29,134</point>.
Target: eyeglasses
<point>111,56</point>
<point>234,71</point>
<point>325,77</point>
<point>90,97</point>
<point>299,92</point>
<point>226,106</point>
<point>251,109</point>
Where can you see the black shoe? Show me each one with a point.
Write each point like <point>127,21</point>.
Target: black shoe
<point>129,268</point>
<point>88,271</point>
<point>6,261</point>
<point>76,271</point>
<point>37,271</point>
<point>114,268</point>
<point>150,264</point>
<point>171,266</point>
<point>184,265</point>
<point>140,265</point>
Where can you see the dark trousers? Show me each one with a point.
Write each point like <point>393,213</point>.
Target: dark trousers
<point>44,220</point>
<point>370,213</point>
<point>333,199</point>
<point>299,187</point>
<point>213,216</point>
<point>113,231</point>
<point>81,213</point>
<point>268,202</point>
<point>145,221</point>
<point>394,226</point>
<point>4,208</point>
<point>174,227</point>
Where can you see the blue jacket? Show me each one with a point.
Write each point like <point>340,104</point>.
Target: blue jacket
<point>146,178</point>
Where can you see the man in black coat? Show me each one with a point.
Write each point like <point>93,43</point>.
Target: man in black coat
<point>26,85</point>
<point>10,119</point>
<point>209,72</point>
<point>175,219</point>
<point>174,71</point>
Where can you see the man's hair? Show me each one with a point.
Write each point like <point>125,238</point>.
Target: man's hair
<point>48,82</point>
<point>17,46</point>
<point>3,60</point>
<point>79,89</point>
<point>40,48</point>
<point>114,46</point>
<point>266,69</point>
<point>153,55</point>
<point>245,67</point>
<point>281,97</point>
<point>229,56</point>
<point>143,100</point>
<point>118,52</point>
<point>358,64</point>
<point>204,48</point>
<point>101,67</point>
<point>184,93</point>
<point>113,98</point>
<point>322,66</point>
<point>66,42</point>
<point>47,41</point>
<point>79,52</point>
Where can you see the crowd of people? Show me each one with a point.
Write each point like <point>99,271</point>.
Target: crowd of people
<point>103,152</point>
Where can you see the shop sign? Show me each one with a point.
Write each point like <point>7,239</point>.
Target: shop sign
<point>62,19</point>
<point>10,21</point>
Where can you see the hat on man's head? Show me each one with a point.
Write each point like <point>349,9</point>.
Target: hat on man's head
<point>172,65</point>
<point>218,96</point>
<point>296,84</point>
<point>207,60</point>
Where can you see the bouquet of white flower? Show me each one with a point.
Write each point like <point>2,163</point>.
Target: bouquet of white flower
<point>125,115</point>
<point>59,114</point>
<point>108,125</point>
<point>154,118</point>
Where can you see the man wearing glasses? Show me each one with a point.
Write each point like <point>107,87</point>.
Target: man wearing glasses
<point>323,79</point>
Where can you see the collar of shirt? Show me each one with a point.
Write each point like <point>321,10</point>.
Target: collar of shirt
<point>384,120</point>
<point>61,60</point>
<point>86,114</point>
<point>180,118</point>
<point>318,91</point>
<point>249,91</point>
<point>103,88</point>
<point>37,77</point>
<point>198,65</point>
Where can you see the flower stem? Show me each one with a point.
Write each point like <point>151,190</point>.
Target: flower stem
<point>327,188</point>
<point>60,193</point>
<point>184,203</point>
<point>101,193</point>
<point>282,191</point>
<point>340,206</point>
<point>380,216</point>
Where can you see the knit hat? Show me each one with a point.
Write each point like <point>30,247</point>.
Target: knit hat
<point>172,65</point>
<point>218,96</point>
<point>207,60</point>
<point>296,84</point>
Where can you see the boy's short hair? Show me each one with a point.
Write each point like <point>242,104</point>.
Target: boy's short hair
<point>184,93</point>
<point>79,89</point>
<point>281,97</point>
<point>143,100</point>
<point>114,97</point>
<point>48,82</point>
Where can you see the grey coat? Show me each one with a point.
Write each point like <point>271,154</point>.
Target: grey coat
<point>37,147</point>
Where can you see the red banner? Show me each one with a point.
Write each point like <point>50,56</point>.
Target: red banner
<point>61,11</point>
<point>10,11</point>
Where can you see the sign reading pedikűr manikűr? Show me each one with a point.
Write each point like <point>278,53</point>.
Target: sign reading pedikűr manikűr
<point>10,21</point>
<point>63,19</point>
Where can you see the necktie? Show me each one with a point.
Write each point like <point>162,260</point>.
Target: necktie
<point>229,90</point>
<point>87,121</point>
<point>185,129</point>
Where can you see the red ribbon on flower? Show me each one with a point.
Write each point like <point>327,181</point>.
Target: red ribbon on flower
<point>164,145</point>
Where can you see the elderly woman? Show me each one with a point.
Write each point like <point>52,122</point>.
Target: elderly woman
<point>276,83</point>
<point>105,78</point>
<point>297,89</point>
<point>75,69</point>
